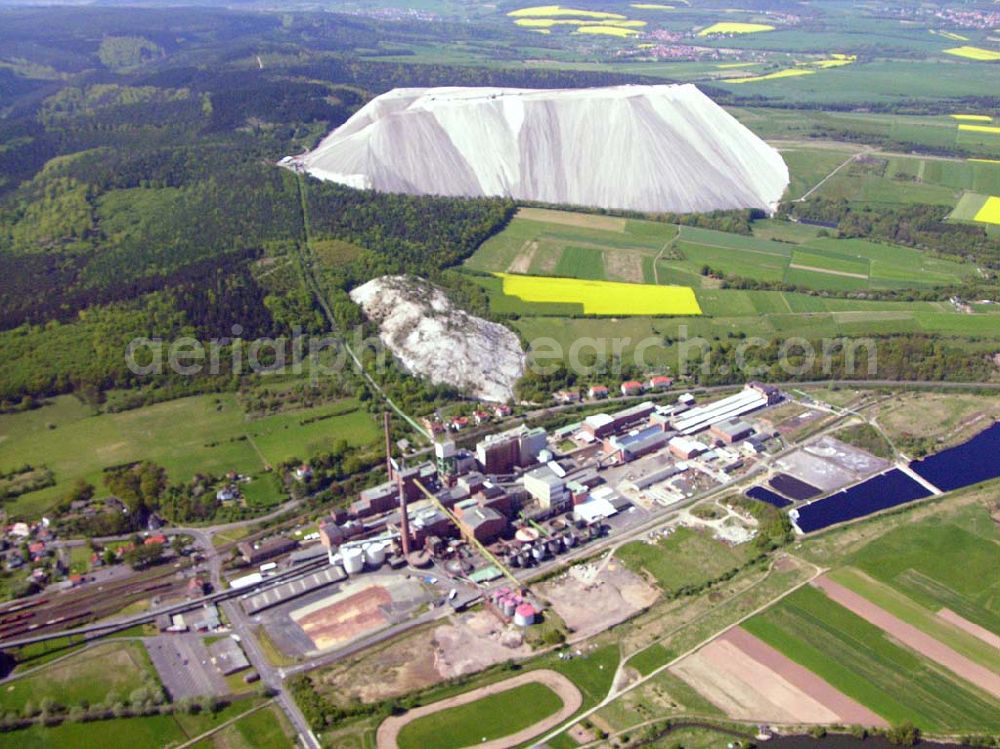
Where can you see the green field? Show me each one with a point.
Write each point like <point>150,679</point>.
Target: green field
<point>807,166</point>
<point>864,663</point>
<point>947,559</point>
<point>938,565</point>
<point>264,729</point>
<point>906,179</point>
<point>685,558</point>
<point>151,732</point>
<point>489,718</point>
<point>924,619</point>
<point>680,254</point>
<point>87,676</point>
<point>201,434</point>
<point>649,659</point>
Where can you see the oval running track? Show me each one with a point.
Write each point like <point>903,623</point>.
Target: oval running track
<point>388,732</point>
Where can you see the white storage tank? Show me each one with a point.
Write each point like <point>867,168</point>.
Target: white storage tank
<point>375,554</point>
<point>524,615</point>
<point>354,560</point>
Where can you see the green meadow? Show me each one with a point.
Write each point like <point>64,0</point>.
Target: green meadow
<point>200,434</point>
<point>685,557</point>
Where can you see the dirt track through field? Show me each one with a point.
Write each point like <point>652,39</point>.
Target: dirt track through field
<point>912,637</point>
<point>748,679</point>
<point>971,627</point>
<point>388,732</point>
<point>829,272</point>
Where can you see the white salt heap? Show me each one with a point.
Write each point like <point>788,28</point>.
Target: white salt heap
<point>663,148</point>
<point>431,338</point>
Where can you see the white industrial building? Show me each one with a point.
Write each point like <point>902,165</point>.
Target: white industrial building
<point>751,398</point>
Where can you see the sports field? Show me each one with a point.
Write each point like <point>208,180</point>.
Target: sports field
<point>202,434</point>
<point>603,297</point>
<point>503,714</point>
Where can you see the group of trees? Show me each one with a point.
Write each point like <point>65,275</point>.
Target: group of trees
<point>913,225</point>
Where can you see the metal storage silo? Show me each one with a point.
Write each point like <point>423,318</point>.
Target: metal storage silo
<point>354,560</point>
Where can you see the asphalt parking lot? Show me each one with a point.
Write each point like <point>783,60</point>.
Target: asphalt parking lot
<point>182,661</point>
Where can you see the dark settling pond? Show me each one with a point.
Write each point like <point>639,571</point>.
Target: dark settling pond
<point>766,495</point>
<point>793,487</point>
<point>969,463</point>
<point>878,493</point>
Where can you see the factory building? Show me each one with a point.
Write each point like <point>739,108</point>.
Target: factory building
<point>546,487</point>
<point>731,430</point>
<point>600,426</point>
<point>384,497</point>
<point>637,443</point>
<point>482,523</point>
<point>515,448</point>
<point>751,398</point>
<point>257,553</point>
<point>685,448</point>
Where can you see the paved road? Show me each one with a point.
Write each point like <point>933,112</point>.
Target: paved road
<point>269,675</point>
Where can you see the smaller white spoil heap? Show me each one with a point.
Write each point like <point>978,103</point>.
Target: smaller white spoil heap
<point>663,148</point>
<point>418,324</point>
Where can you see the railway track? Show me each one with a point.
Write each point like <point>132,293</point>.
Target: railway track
<point>56,611</point>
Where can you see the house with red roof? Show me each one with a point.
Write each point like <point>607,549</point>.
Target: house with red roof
<point>632,387</point>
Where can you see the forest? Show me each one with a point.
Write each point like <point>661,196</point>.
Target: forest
<point>139,192</point>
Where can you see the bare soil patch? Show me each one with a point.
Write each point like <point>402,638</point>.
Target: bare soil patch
<point>474,642</point>
<point>912,637</point>
<point>623,266</point>
<point>971,627</point>
<point>750,680</point>
<point>522,262</point>
<point>590,598</point>
<point>829,272</point>
<point>584,220</point>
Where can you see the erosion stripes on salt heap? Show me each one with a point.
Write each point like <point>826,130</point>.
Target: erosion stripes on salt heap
<point>651,148</point>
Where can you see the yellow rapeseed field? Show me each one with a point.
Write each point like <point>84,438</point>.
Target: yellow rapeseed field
<point>727,65</point>
<point>835,60</point>
<point>650,6</point>
<point>544,11</point>
<point>990,212</point>
<point>607,30</point>
<point>972,117</point>
<point>980,128</point>
<point>549,22</point>
<point>730,27</point>
<point>950,35</point>
<point>603,297</point>
<point>786,73</point>
<point>974,53</point>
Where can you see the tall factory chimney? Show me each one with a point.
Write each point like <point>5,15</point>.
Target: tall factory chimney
<point>404,519</point>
